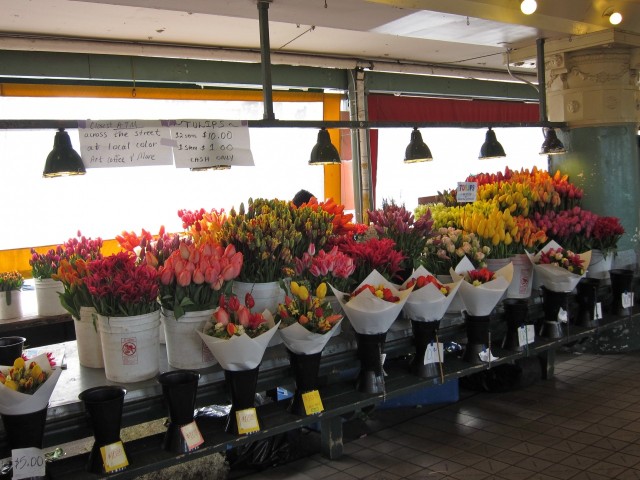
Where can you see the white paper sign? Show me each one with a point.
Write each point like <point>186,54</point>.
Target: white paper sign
<point>627,299</point>
<point>124,143</point>
<point>27,463</point>
<point>434,353</point>
<point>526,335</point>
<point>597,313</point>
<point>211,143</point>
<point>467,192</point>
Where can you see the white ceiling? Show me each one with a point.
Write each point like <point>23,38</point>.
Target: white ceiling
<point>453,33</point>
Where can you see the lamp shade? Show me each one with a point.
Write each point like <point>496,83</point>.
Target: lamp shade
<point>417,150</point>
<point>63,159</point>
<point>323,152</point>
<point>491,148</point>
<point>552,144</point>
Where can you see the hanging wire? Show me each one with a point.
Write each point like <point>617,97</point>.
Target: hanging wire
<point>520,78</point>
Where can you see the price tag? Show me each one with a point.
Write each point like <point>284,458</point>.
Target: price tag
<point>114,457</point>
<point>597,311</point>
<point>247,421</point>
<point>627,299</point>
<point>562,315</point>
<point>27,463</point>
<point>192,436</point>
<point>434,353</point>
<point>526,335</point>
<point>312,402</point>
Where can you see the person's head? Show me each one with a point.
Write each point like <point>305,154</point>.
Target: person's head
<point>303,196</point>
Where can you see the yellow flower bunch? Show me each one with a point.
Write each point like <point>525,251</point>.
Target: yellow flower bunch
<point>22,378</point>
<point>513,196</point>
<point>442,215</point>
<point>494,227</point>
<point>312,312</point>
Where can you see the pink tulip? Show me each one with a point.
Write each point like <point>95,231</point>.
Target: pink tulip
<point>184,278</point>
<point>234,303</point>
<point>244,316</point>
<point>198,277</point>
<point>166,276</point>
<point>221,316</point>
<point>184,251</point>
<point>211,274</point>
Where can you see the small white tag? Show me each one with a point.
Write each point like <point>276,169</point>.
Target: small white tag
<point>526,335</point>
<point>486,355</point>
<point>434,353</point>
<point>192,436</point>
<point>597,311</point>
<point>27,463</point>
<point>627,299</point>
<point>562,315</point>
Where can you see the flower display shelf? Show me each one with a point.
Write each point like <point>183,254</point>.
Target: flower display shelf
<point>144,400</point>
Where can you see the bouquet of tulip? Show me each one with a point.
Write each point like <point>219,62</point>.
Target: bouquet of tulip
<point>120,287</point>
<point>73,269</point>
<point>193,276</point>
<point>448,246</point>
<point>571,228</point>
<point>607,231</point>
<point>369,254</point>
<point>560,269</point>
<point>44,265</point>
<point>236,336</point>
<point>481,289</point>
<point>429,298</point>
<point>150,249</point>
<point>11,281</point>
<point>333,267</point>
<point>410,235</point>
<point>306,321</point>
<point>27,385</point>
<point>203,226</point>
<point>341,221</point>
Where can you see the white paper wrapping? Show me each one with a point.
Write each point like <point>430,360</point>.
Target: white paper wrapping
<point>428,304</point>
<point>558,279</point>
<point>240,352</point>
<point>16,403</point>
<point>481,300</point>
<point>369,314</point>
<point>303,342</point>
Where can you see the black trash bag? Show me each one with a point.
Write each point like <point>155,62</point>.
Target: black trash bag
<point>503,378</point>
<point>269,452</point>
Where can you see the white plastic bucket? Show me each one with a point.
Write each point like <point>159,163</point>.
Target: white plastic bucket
<point>47,297</point>
<point>185,348</point>
<point>130,347</point>
<point>600,264</point>
<point>88,338</point>
<point>522,277</point>
<point>266,295</point>
<point>10,305</point>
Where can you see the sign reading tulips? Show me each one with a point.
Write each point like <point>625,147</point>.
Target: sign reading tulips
<point>210,143</point>
<point>124,143</point>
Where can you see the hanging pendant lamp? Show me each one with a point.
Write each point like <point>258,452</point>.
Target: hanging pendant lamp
<point>491,148</point>
<point>323,152</point>
<point>552,144</point>
<point>417,150</point>
<point>63,159</point>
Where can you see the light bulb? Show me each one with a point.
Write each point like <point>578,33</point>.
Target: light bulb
<point>615,18</point>
<point>528,6</point>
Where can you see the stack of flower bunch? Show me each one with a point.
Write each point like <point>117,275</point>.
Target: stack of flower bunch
<point>410,235</point>
<point>150,249</point>
<point>202,226</point>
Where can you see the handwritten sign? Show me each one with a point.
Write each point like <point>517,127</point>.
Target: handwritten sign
<point>210,143</point>
<point>467,192</point>
<point>114,457</point>
<point>247,421</point>
<point>434,353</point>
<point>192,436</point>
<point>124,143</point>
<point>27,463</point>
<point>526,335</point>
<point>312,402</point>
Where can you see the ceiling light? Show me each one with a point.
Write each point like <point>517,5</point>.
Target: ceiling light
<point>491,148</point>
<point>552,144</point>
<point>63,159</point>
<point>614,17</point>
<point>417,150</point>
<point>323,152</point>
<point>528,6</point>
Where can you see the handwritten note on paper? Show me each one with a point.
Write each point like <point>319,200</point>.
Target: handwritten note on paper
<point>124,143</point>
<point>210,143</point>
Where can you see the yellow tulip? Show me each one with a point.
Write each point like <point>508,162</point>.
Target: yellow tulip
<point>303,293</point>
<point>321,291</point>
<point>295,288</point>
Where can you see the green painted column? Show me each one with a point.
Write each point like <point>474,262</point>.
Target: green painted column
<point>604,162</point>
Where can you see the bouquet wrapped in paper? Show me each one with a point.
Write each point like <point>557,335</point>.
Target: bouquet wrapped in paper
<point>307,321</point>
<point>481,289</point>
<point>27,385</point>
<point>374,305</point>
<point>237,337</point>
<point>559,269</point>
<point>429,299</point>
